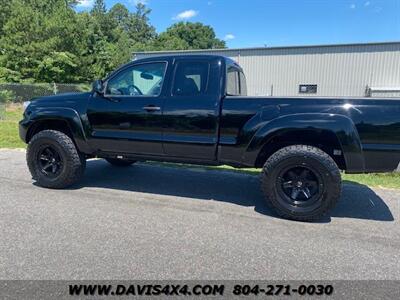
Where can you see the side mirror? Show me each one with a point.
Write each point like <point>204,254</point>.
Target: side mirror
<point>98,87</point>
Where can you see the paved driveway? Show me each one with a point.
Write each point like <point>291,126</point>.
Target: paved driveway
<point>153,222</point>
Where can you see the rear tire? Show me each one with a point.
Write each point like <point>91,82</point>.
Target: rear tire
<point>301,182</point>
<point>119,162</point>
<point>53,160</point>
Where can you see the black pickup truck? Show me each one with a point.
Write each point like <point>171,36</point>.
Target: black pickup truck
<point>195,109</point>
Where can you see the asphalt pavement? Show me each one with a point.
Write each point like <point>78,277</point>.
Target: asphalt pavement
<point>154,222</point>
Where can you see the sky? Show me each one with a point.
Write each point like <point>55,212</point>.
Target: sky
<point>259,23</point>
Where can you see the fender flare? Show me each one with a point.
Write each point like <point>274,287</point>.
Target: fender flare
<point>341,126</point>
<point>70,116</point>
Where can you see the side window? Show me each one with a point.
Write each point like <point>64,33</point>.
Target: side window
<point>139,80</point>
<point>232,82</point>
<point>243,85</point>
<point>191,78</point>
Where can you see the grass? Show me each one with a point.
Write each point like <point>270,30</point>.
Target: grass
<point>9,138</point>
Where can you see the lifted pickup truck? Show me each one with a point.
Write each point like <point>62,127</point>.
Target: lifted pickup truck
<point>194,109</point>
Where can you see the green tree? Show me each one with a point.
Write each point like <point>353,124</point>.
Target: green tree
<point>94,58</point>
<point>100,15</point>
<point>188,35</point>
<point>99,8</point>
<point>119,14</point>
<point>27,44</point>
<point>139,28</point>
<point>48,40</point>
<point>5,9</point>
<point>57,67</point>
<point>99,55</point>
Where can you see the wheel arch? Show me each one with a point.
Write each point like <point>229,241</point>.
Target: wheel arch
<point>327,141</point>
<point>65,120</point>
<point>47,124</point>
<point>334,134</point>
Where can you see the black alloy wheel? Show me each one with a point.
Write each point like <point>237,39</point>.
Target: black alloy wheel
<point>49,161</point>
<point>300,187</point>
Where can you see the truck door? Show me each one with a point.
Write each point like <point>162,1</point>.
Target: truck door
<point>191,111</point>
<point>127,119</point>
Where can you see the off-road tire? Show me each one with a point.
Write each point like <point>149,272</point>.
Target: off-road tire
<point>73,162</point>
<point>309,157</point>
<point>119,162</point>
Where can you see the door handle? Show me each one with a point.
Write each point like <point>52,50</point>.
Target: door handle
<point>152,108</point>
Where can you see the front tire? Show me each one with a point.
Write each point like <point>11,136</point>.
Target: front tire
<point>119,162</point>
<point>301,182</point>
<point>53,160</point>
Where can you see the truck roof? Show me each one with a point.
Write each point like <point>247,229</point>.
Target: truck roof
<point>228,60</point>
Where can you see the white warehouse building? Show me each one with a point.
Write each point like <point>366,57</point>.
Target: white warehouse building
<point>357,70</point>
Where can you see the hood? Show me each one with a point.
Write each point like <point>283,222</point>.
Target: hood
<point>76,101</point>
<point>61,99</point>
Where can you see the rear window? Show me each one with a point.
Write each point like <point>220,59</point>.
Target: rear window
<point>236,82</point>
<point>232,83</point>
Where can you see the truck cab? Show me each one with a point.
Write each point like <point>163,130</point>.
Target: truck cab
<point>168,107</point>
